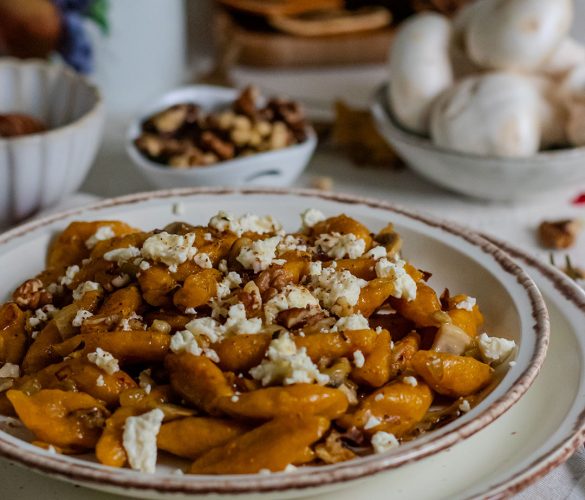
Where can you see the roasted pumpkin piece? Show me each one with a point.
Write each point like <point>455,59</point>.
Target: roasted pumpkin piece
<point>451,375</point>
<point>422,311</point>
<point>134,346</point>
<point>13,338</point>
<point>242,352</point>
<point>64,419</point>
<point>272,402</point>
<point>143,401</point>
<point>375,371</point>
<point>157,284</point>
<point>134,239</point>
<point>41,354</point>
<point>197,290</point>
<point>343,224</point>
<point>395,408</point>
<point>81,375</point>
<point>198,380</point>
<point>336,345</point>
<point>373,295</point>
<point>71,247</point>
<point>469,319</point>
<point>273,446</point>
<point>193,436</point>
<point>361,268</point>
<point>390,239</point>
<point>109,449</point>
<point>402,352</point>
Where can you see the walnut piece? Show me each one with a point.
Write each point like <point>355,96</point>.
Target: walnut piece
<point>332,451</point>
<point>559,234</point>
<point>32,295</point>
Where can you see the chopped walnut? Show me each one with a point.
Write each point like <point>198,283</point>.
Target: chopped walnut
<point>221,148</point>
<point>246,102</point>
<point>333,450</point>
<point>559,234</point>
<point>297,317</point>
<point>32,295</point>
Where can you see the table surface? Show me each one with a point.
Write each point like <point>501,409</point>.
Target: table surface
<point>113,175</point>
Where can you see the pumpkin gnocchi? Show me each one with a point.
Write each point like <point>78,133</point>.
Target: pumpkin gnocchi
<point>237,346</point>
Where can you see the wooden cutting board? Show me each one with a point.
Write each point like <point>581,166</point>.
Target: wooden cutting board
<point>268,49</point>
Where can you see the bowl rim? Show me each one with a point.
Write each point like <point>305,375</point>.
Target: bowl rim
<point>222,167</point>
<point>96,108</point>
<point>314,476</point>
<point>380,108</point>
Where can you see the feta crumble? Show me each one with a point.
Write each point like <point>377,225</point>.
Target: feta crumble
<point>384,441</point>
<point>139,440</point>
<point>351,322</point>
<point>377,253</point>
<point>100,381</point>
<point>9,370</point>
<point>231,281</point>
<point>145,380</point>
<point>311,216</point>
<point>372,422</point>
<point>203,261</point>
<point>122,255</point>
<point>104,360</point>
<point>410,380</point>
<point>359,359</point>
<point>291,243</point>
<point>170,249</point>
<point>259,254</point>
<point>287,364</point>
<point>466,304</point>
<point>335,289</point>
<point>184,341</point>
<point>338,246</point>
<point>495,349</point>
<point>85,287</point>
<point>292,296</point>
<point>80,317</point>
<point>464,406</point>
<point>70,274</point>
<point>120,281</point>
<point>404,285</point>
<point>226,221</point>
<point>103,233</point>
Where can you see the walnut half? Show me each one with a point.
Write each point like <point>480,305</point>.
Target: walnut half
<point>32,295</point>
<point>559,234</point>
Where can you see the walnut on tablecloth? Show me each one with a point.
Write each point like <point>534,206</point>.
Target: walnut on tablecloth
<point>559,234</point>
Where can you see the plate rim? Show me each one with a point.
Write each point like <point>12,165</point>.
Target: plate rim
<point>313,478</point>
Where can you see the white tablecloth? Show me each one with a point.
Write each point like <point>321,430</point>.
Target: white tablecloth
<point>114,175</point>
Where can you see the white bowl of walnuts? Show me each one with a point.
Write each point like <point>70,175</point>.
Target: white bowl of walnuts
<point>204,135</point>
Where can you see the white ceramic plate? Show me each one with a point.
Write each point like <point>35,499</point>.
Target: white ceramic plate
<point>458,259</point>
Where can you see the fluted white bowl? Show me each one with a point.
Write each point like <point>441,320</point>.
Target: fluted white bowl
<point>37,170</point>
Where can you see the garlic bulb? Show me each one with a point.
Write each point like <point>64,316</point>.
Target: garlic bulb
<point>420,69</point>
<point>517,34</point>
<point>497,114</point>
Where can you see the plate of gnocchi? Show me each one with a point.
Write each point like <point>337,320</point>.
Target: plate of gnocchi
<point>254,341</point>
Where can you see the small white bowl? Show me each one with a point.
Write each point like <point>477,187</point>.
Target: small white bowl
<point>490,178</point>
<point>38,170</point>
<point>280,167</point>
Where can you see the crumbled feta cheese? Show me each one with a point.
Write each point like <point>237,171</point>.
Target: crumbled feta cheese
<point>291,243</point>
<point>103,233</point>
<point>495,349</point>
<point>203,261</point>
<point>378,330</point>
<point>410,380</point>
<point>170,249</point>
<point>70,274</point>
<point>352,322</point>
<point>234,399</point>
<point>225,286</point>
<point>372,422</point>
<point>51,449</point>
<point>207,237</point>
<point>85,287</point>
<point>287,364</point>
<point>120,281</point>
<point>377,253</point>
<point>259,254</point>
<point>359,359</point>
<point>238,323</point>
<point>145,380</point>
<point>104,360</point>
<point>225,221</point>
<point>311,216</point>
<point>291,297</point>
<point>379,397</point>
<point>404,285</point>
<point>315,268</point>
<point>466,304</point>
<point>100,381</point>
<point>42,315</point>
<point>144,265</point>
<point>222,266</point>
<point>184,341</point>
<point>178,472</point>
<point>80,317</point>
<point>464,406</point>
<point>190,310</point>
<point>139,440</point>
<point>338,246</point>
<point>9,370</point>
<point>384,441</point>
<point>122,255</point>
<point>335,289</point>
<point>290,468</point>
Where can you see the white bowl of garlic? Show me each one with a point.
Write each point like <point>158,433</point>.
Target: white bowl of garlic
<point>492,103</point>
<point>276,161</point>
